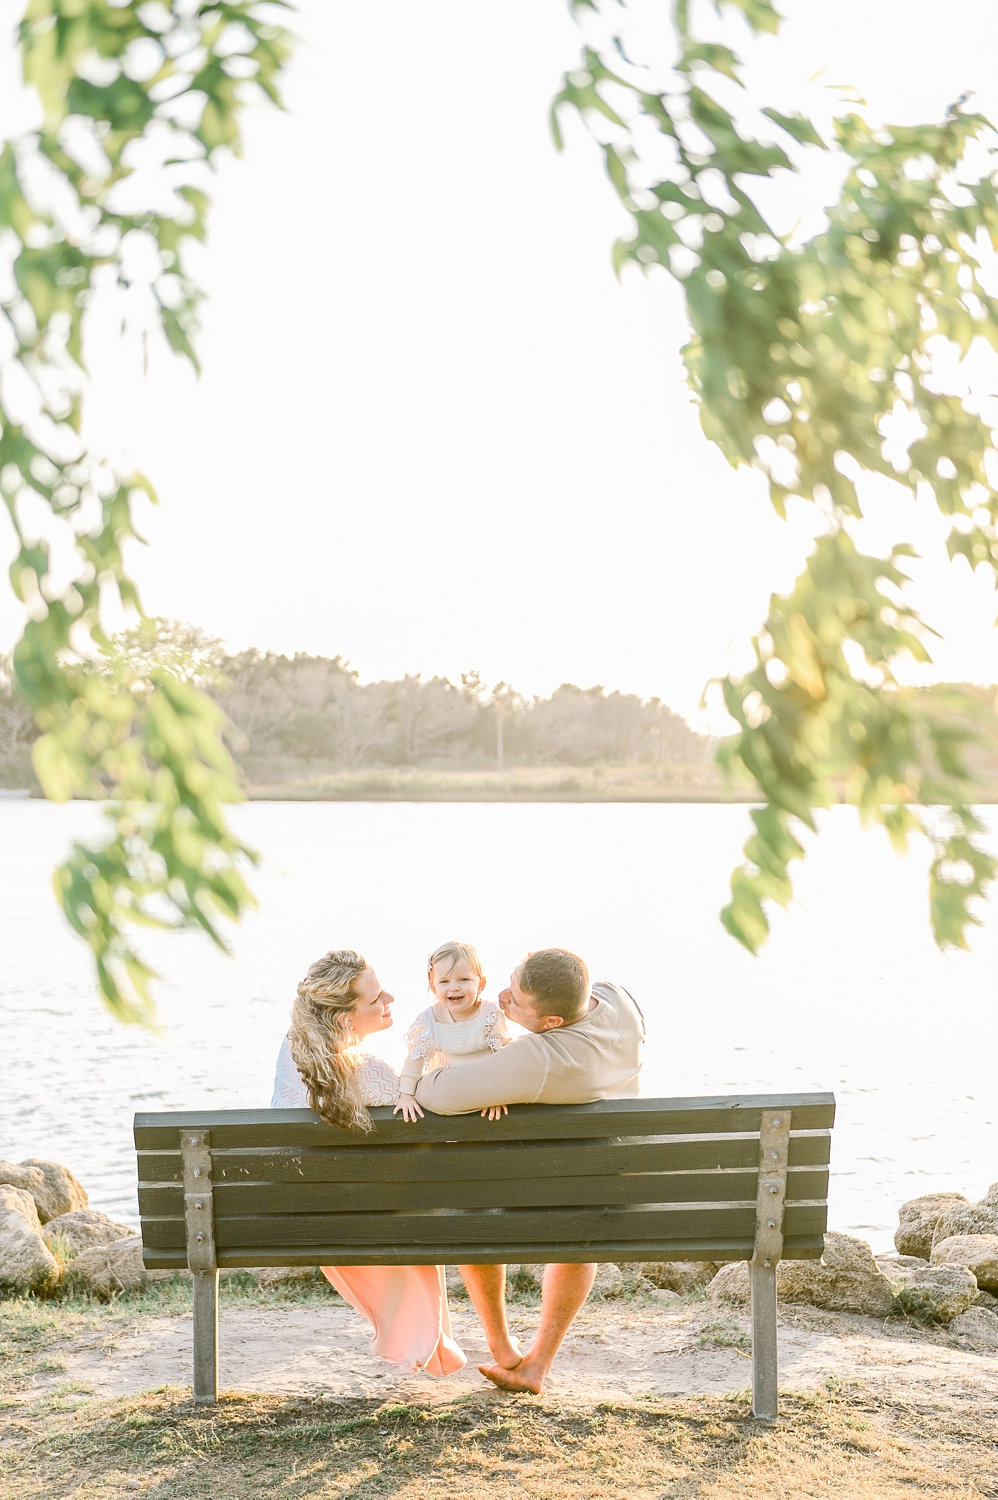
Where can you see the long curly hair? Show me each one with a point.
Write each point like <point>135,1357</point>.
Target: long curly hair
<point>322,1039</point>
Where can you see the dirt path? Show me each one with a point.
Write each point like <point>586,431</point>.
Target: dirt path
<point>615,1350</point>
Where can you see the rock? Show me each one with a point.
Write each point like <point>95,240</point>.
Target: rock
<point>105,1271</point>
<point>933,1294</point>
<point>285,1275</point>
<point>610,1280</point>
<point>976,1324</point>
<point>978,1252</point>
<point>680,1275</point>
<point>970,1218</point>
<point>991,1196</point>
<point>81,1229</point>
<point>28,1179</point>
<point>845,1279</point>
<point>918,1219</point>
<point>59,1192</point>
<point>986,1299</point>
<point>26,1263</point>
<point>889,1263</point>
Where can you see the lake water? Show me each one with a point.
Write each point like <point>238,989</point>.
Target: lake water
<point>850,995</point>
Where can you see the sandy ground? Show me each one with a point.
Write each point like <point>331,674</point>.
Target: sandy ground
<point>615,1350</point>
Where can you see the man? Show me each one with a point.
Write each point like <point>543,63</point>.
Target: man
<point>583,1044</point>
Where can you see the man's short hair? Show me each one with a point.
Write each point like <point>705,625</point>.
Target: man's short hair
<point>557,982</point>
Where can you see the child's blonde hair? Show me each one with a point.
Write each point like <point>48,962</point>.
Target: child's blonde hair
<point>455,953</point>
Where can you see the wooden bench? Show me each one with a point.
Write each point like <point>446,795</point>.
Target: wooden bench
<point>733,1178</point>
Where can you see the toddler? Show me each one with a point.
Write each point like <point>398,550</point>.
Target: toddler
<point>458,1025</point>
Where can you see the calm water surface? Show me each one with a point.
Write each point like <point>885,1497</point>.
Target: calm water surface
<point>850,995</point>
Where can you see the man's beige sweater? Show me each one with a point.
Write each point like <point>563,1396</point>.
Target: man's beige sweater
<point>597,1058</point>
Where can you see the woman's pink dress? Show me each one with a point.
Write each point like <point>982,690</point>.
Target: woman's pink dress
<point>406,1305</point>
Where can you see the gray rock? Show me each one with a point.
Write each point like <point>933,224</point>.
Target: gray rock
<point>105,1271</point>
<point>82,1228</point>
<point>986,1299</point>
<point>845,1279</point>
<point>680,1275</point>
<point>977,1325</point>
<point>610,1280</point>
<point>889,1263</point>
<point>60,1193</point>
<point>991,1196</point>
<point>970,1218</point>
<point>287,1275</point>
<point>978,1252</point>
<point>918,1219</point>
<point>28,1179</point>
<point>26,1263</point>
<point>933,1294</point>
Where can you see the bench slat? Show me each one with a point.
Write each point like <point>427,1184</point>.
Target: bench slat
<point>446,1161</point>
<point>801,1247</point>
<point>299,1127</point>
<point>245,1198</point>
<point>390,1230</point>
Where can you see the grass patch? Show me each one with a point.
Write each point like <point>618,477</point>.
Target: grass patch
<point>824,1447</point>
<point>724,1333</point>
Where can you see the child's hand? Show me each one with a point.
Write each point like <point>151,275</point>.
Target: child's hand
<point>410,1109</point>
<point>495,1112</point>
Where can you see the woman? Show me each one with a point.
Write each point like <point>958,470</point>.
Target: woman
<point>320,1066</point>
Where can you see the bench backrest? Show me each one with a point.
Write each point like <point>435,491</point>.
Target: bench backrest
<point>626,1179</point>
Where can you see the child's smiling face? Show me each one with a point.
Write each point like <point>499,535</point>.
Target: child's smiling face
<point>457,987</point>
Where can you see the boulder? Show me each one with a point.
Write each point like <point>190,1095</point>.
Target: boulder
<point>82,1228</point>
<point>58,1193</point>
<point>680,1275</point>
<point>977,1325</point>
<point>610,1280</point>
<point>845,1279</point>
<point>28,1179</point>
<point>26,1263</point>
<point>105,1271</point>
<point>932,1294</point>
<point>986,1299</point>
<point>968,1218</point>
<point>918,1219</point>
<point>285,1275</point>
<point>978,1252</point>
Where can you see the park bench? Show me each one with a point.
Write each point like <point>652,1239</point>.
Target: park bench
<point>721,1179</point>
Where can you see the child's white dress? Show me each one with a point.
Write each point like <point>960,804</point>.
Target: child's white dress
<point>435,1044</point>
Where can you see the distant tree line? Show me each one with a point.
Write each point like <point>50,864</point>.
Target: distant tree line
<point>315,708</point>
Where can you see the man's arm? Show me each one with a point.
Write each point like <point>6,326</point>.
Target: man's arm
<point>513,1076</point>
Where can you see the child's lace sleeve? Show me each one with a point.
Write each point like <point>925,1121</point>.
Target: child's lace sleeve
<point>495,1028</point>
<point>419,1040</point>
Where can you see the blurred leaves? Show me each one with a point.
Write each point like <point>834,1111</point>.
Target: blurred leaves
<point>105,199</point>
<point>815,361</point>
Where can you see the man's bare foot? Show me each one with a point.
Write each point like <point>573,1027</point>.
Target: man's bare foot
<point>507,1356</point>
<point>521,1377</point>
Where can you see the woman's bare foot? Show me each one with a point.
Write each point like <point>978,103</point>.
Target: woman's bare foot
<point>520,1377</point>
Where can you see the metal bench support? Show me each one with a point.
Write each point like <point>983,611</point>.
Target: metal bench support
<point>774,1151</point>
<point>195,1149</point>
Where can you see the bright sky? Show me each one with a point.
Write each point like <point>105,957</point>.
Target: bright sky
<point>433,432</point>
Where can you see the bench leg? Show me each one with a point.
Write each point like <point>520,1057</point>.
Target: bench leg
<point>764,1373</point>
<point>205,1336</point>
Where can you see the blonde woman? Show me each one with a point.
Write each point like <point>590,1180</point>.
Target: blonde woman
<point>321,1066</point>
